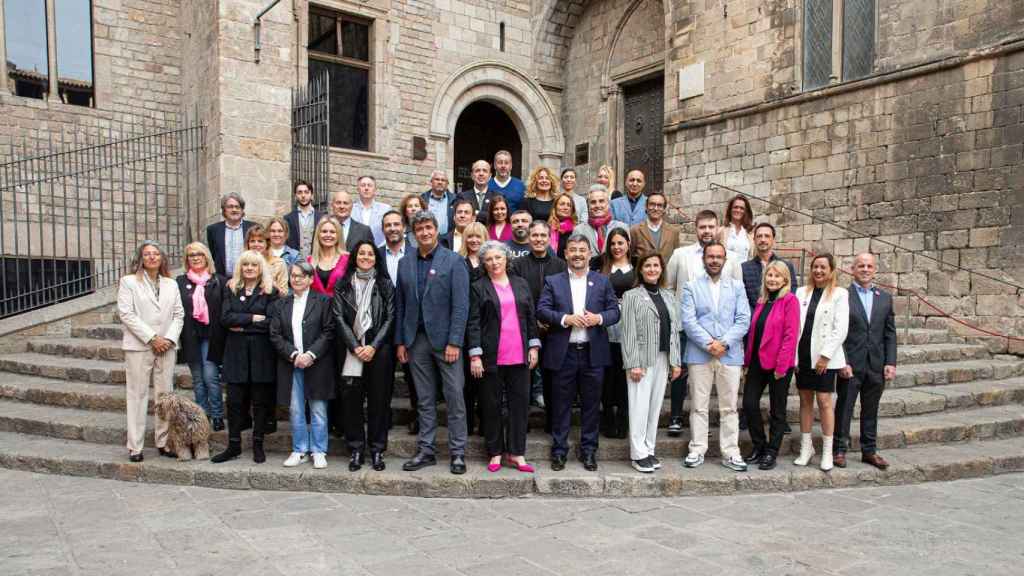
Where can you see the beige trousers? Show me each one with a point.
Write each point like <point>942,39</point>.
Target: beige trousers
<point>142,369</point>
<point>726,380</point>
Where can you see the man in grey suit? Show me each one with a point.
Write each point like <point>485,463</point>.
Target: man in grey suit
<point>870,349</point>
<point>352,231</point>
<point>432,307</point>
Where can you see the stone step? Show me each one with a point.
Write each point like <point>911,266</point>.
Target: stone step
<point>98,332</point>
<point>109,428</point>
<point>998,367</point>
<point>925,336</point>
<point>88,348</point>
<point>613,479</point>
<point>941,352</point>
<point>76,369</point>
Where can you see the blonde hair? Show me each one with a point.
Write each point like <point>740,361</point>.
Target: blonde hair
<point>531,189</point>
<point>338,248</point>
<point>782,270</point>
<point>553,218</point>
<point>471,229</point>
<point>284,226</point>
<point>832,281</point>
<point>266,284</point>
<point>199,246</point>
<point>611,175</point>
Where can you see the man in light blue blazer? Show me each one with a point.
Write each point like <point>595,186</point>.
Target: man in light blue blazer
<point>432,307</point>
<point>716,317</point>
<point>631,207</point>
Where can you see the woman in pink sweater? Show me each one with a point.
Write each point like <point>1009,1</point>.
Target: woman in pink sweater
<point>770,352</point>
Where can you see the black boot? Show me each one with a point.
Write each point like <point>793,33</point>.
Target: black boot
<point>233,451</point>
<point>768,462</point>
<point>257,452</point>
<point>218,424</point>
<point>755,456</point>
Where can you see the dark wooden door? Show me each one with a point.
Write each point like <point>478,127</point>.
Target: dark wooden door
<point>644,141</point>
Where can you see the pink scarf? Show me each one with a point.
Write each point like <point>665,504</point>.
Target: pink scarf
<point>564,227</point>
<point>200,312</point>
<point>598,223</point>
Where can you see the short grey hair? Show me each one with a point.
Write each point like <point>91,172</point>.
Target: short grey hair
<point>494,246</point>
<point>577,237</point>
<point>305,267</point>
<point>440,173</point>
<point>231,196</point>
<point>421,217</point>
<point>540,224</point>
<point>597,188</point>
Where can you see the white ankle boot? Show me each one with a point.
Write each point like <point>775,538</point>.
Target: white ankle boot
<point>826,453</point>
<point>806,450</point>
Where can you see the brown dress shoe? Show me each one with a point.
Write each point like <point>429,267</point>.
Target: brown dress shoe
<point>839,459</point>
<point>875,460</point>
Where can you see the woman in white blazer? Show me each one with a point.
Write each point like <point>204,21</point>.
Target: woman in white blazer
<point>824,318</point>
<point>149,305</point>
<point>650,355</point>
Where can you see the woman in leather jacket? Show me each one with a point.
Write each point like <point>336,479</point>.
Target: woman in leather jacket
<point>364,310</point>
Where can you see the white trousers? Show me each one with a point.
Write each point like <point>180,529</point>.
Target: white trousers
<point>142,369</point>
<point>726,380</point>
<point>645,398</point>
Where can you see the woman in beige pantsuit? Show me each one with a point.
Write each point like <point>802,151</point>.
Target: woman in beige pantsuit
<point>149,305</point>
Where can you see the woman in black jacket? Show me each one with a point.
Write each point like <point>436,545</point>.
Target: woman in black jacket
<point>503,347</point>
<point>202,338</point>
<point>249,360</point>
<point>302,333</point>
<point>364,310</point>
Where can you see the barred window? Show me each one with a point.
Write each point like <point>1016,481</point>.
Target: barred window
<point>339,44</point>
<point>843,54</point>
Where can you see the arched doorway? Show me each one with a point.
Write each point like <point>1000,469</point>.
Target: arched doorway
<point>482,130</point>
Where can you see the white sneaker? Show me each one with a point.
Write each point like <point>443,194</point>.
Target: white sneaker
<point>319,460</point>
<point>295,459</point>
<point>693,460</point>
<point>735,463</point>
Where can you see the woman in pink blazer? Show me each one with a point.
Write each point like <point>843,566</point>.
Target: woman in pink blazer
<point>770,352</point>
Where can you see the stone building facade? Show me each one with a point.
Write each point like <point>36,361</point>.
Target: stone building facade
<point>921,146</point>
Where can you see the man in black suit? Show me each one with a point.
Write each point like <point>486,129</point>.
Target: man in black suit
<point>463,215</point>
<point>870,349</point>
<point>394,248</point>
<point>480,195</point>
<point>352,232</point>
<point>302,220</point>
<point>226,239</point>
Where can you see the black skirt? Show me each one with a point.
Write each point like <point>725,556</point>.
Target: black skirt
<point>808,379</point>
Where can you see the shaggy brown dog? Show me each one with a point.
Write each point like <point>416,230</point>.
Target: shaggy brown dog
<point>188,433</point>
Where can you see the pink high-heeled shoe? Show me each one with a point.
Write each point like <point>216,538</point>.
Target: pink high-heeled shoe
<point>493,466</point>
<point>525,468</point>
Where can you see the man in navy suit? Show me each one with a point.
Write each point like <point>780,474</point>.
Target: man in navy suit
<point>302,220</point>
<point>480,195</point>
<point>432,307</point>
<point>578,306</point>
<point>226,239</point>
<point>440,201</point>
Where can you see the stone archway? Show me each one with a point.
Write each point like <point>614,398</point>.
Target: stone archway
<point>516,94</point>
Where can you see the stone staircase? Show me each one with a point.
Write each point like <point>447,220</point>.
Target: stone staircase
<point>956,409</point>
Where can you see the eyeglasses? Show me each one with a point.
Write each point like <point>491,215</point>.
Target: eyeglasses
<point>655,205</point>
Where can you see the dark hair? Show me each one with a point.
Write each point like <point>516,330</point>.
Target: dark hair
<point>371,178</point>
<point>765,225</point>
<point>527,212</point>
<point>576,237</point>
<point>490,208</point>
<point>748,216</point>
<point>640,264</point>
<point>405,204</point>
<point>606,256</point>
<point>706,215</point>
<point>138,267</point>
<point>379,264</point>
<point>716,243</point>
<point>658,193</point>
<point>257,231</point>
<point>301,183</point>
<point>423,216</point>
<point>564,170</point>
<point>392,212</point>
<point>305,267</point>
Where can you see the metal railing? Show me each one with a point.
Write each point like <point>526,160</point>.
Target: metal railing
<point>75,204</point>
<point>311,121</point>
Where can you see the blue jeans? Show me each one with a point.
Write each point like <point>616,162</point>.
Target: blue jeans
<point>307,438</point>
<point>206,382</point>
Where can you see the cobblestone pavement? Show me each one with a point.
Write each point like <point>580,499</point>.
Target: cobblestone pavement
<point>64,525</point>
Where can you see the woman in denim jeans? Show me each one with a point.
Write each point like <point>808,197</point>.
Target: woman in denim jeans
<point>202,337</point>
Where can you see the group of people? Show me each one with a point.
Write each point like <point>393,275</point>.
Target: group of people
<point>509,294</point>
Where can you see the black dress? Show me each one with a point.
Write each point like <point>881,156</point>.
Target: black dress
<point>614,396</point>
<point>806,377</point>
<point>539,209</point>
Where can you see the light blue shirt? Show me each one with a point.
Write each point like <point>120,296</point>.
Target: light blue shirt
<point>439,207</point>
<point>867,298</point>
<point>392,259</point>
<point>371,217</point>
<point>234,245</point>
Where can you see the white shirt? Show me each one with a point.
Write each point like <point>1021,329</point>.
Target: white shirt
<point>695,261</point>
<point>578,286</point>
<point>371,217</point>
<point>456,241</point>
<point>716,290</point>
<point>298,311</point>
<point>392,259</point>
<point>737,242</point>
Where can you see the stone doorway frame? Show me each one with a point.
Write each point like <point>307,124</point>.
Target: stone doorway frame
<point>510,89</point>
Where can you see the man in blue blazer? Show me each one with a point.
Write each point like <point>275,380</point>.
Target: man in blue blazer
<point>631,207</point>
<point>578,306</point>
<point>226,239</point>
<point>716,317</point>
<point>432,307</point>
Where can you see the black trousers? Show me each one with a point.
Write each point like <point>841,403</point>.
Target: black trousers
<point>576,376</point>
<point>243,397</point>
<point>778,395</point>
<point>471,398</point>
<point>369,425</point>
<point>505,431</point>
<point>411,387</point>
<point>678,386</point>
<point>870,387</point>
<point>614,399</point>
